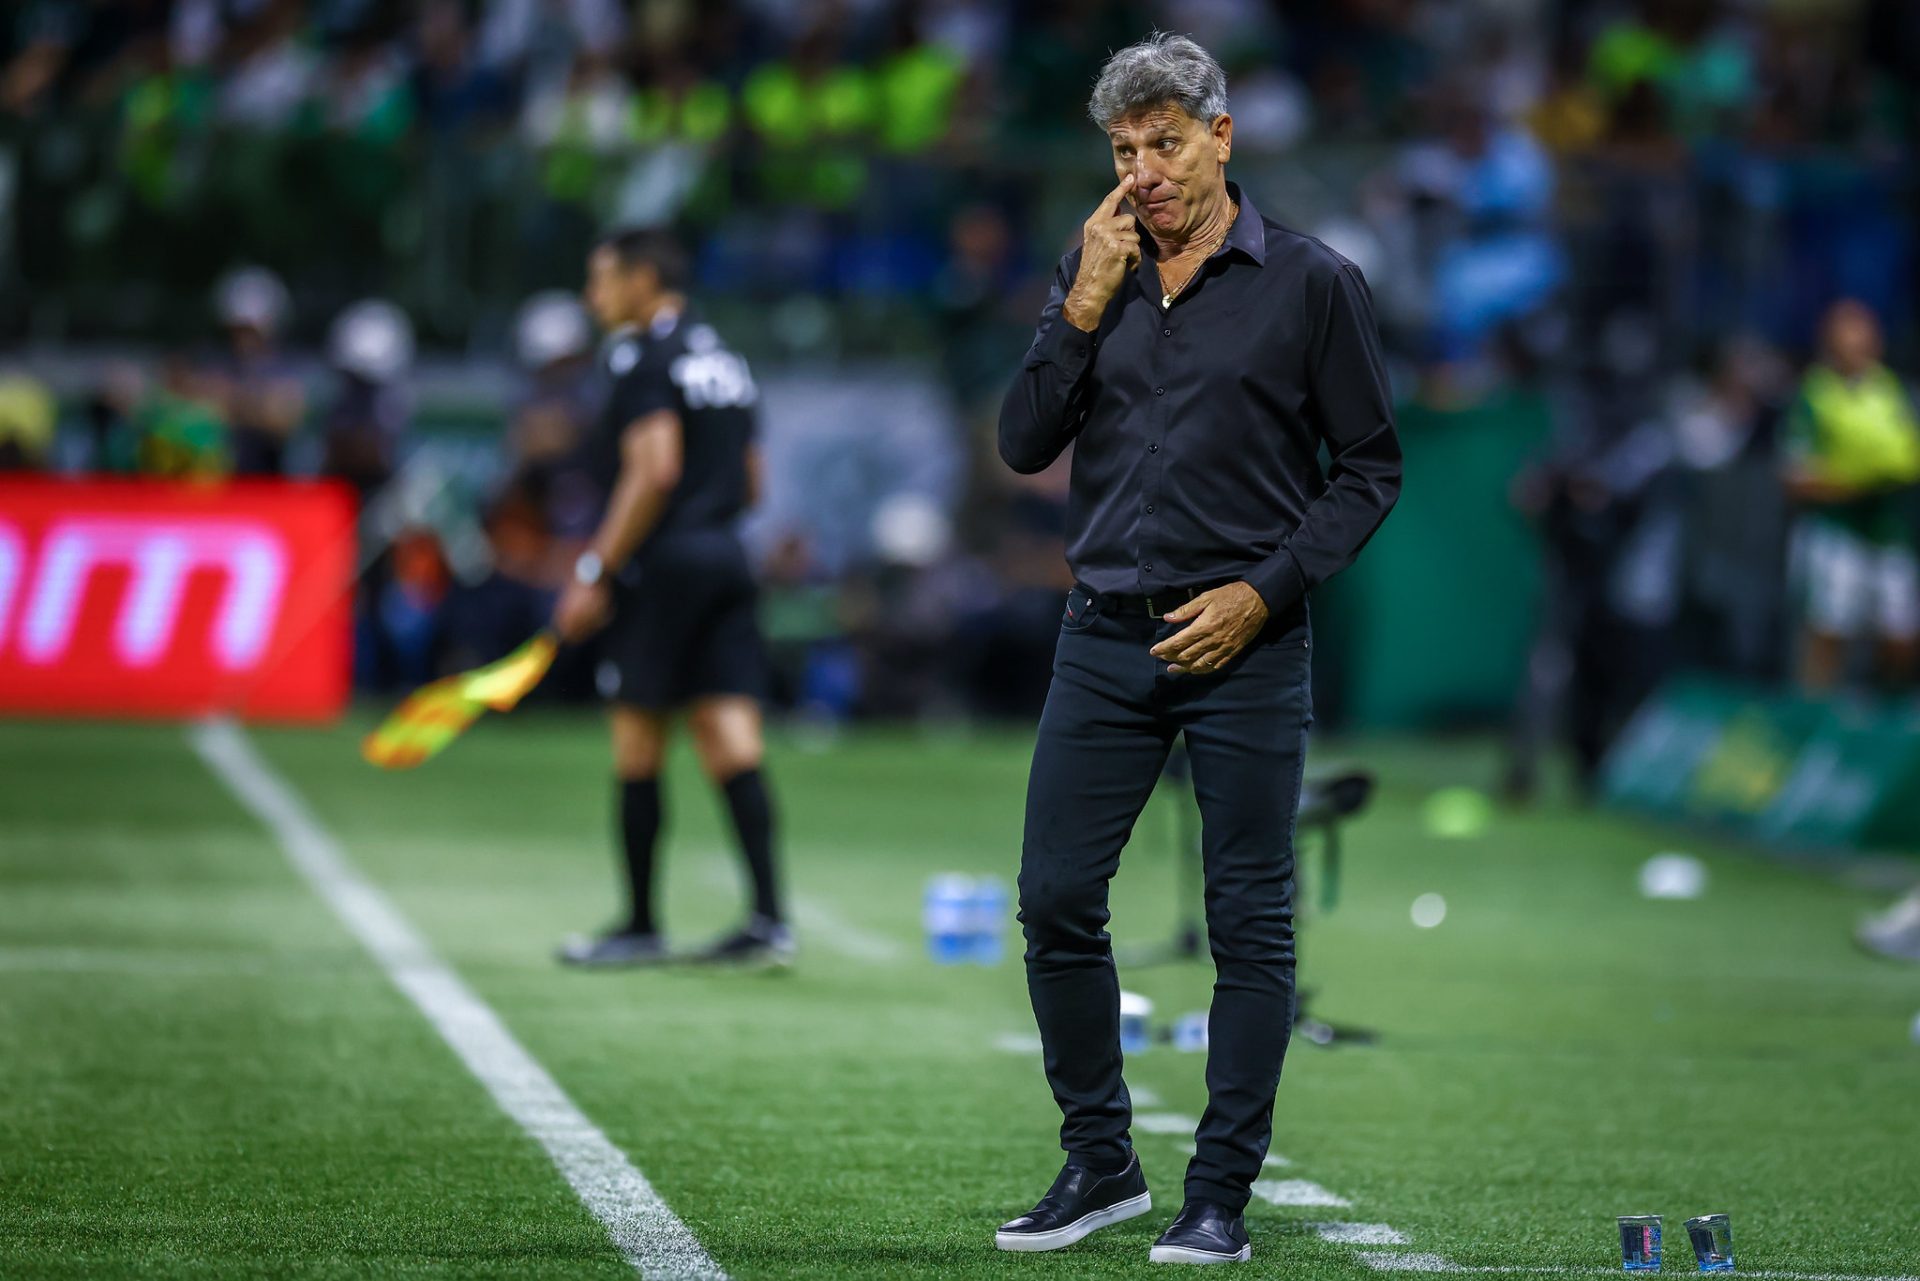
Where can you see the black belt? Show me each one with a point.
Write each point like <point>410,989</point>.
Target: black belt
<point>1114,604</point>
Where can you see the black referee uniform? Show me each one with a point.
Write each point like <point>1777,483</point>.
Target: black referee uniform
<point>1196,430</point>
<point>683,628</point>
<point>684,624</point>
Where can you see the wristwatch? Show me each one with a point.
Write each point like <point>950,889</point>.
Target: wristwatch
<point>589,570</point>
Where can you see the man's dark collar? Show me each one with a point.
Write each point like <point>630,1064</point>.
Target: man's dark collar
<point>1247,234</point>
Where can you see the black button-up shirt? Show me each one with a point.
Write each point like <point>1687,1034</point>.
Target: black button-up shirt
<point>1197,427</point>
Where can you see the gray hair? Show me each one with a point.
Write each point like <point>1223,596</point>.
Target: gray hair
<point>1161,70</point>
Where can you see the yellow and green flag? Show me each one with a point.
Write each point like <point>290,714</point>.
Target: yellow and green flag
<point>436,714</point>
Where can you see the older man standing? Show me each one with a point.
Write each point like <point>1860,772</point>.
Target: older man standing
<point>1197,355</point>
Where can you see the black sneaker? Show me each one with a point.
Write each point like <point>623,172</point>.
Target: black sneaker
<point>1079,1202</point>
<point>761,941</point>
<point>1203,1233</point>
<point>614,949</point>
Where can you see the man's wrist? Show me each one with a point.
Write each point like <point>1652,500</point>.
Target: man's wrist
<point>1259,602</point>
<point>1082,313</point>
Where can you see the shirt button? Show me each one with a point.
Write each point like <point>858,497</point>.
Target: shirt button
<point>1159,391</point>
<point>1149,509</point>
<point>1153,449</point>
<point>1166,333</point>
<point>1147,568</point>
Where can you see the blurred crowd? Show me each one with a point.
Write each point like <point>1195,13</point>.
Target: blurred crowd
<point>1487,152</point>
<point>1681,230</point>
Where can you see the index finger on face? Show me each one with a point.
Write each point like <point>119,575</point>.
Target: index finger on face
<point>1119,192</point>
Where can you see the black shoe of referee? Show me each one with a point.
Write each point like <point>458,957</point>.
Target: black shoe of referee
<point>1079,1202</point>
<point>762,941</point>
<point>615,949</point>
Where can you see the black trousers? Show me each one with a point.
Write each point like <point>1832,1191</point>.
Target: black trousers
<point>1111,716</point>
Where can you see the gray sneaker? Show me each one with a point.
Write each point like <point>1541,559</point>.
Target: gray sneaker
<point>762,941</point>
<point>615,949</point>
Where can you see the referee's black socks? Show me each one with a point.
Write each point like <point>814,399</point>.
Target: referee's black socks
<point>639,834</point>
<point>752,813</point>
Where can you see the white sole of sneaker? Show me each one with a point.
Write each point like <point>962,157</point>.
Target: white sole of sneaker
<point>1032,1242</point>
<point>1182,1254</point>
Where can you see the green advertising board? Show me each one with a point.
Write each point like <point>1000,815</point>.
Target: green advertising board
<point>1807,773</point>
<point>1431,625</point>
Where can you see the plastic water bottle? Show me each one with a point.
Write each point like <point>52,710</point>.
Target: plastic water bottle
<point>988,927</point>
<point>1136,1012</point>
<point>948,915</point>
<point>1190,1033</point>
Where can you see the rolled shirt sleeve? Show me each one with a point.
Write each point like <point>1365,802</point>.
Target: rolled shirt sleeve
<point>1351,405</point>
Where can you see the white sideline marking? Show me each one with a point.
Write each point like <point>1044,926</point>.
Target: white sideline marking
<point>651,1237</point>
<point>1297,1192</point>
<point>1360,1234</point>
<point>823,921</point>
<point>1164,1123</point>
<point>1143,1096</point>
<point>1018,1042</point>
<point>1273,1160</point>
<point>1386,1261</point>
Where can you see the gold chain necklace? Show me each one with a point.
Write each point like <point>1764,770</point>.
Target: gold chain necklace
<point>1166,299</point>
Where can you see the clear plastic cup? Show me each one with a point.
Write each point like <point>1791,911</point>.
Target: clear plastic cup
<point>1640,1242</point>
<point>1712,1237</point>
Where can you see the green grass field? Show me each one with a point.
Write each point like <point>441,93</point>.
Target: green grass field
<point>202,1073</point>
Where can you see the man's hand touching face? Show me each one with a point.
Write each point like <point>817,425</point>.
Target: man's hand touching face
<point>1110,242</point>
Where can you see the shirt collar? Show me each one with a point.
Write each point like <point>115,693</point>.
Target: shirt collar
<point>1247,234</point>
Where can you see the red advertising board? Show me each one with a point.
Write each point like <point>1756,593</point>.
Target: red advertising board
<point>146,598</point>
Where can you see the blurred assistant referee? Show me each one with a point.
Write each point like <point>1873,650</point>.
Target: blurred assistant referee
<point>1197,357</point>
<point>667,575</point>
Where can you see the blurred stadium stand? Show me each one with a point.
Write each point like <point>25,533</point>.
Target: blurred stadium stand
<point>1601,236</point>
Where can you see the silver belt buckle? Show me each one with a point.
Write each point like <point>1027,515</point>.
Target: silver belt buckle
<point>1153,611</point>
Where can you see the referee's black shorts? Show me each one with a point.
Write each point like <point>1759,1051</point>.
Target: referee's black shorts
<point>685,627</point>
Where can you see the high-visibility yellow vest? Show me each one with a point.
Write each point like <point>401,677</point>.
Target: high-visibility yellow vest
<point>785,108</point>
<point>918,87</point>
<point>700,114</point>
<point>1861,432</point>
